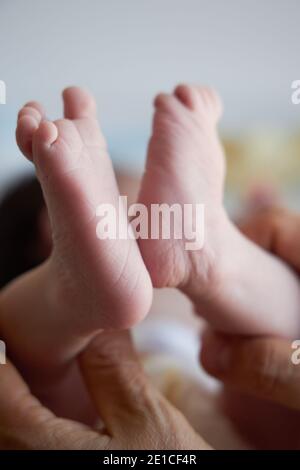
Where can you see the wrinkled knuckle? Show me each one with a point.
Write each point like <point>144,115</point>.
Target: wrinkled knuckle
<point>54,434</point>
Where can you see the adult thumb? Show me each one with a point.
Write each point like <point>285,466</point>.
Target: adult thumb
<point>116,381</point>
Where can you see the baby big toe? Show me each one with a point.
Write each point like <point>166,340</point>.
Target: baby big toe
<point>78,104</point>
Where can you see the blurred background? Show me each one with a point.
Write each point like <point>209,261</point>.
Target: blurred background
<point>127,51</point>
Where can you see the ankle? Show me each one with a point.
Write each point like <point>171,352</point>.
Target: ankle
<point>208,269</point>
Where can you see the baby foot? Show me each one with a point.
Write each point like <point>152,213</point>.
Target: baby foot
<point>185,164</point>
<point>105,280</point>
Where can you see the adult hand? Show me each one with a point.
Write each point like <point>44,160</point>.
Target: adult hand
<point>134,413</point>
<point>261,366</point>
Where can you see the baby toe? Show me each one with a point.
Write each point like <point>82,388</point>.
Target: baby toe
<point>29,118</point>
<point>78,104</point>
<point>187,95</point>
<point>26,127</point>
<point>210,102</point>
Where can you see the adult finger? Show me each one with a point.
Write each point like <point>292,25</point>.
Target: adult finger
<point>26,424</point>
<point>261,366</point>
<point>277,230</point>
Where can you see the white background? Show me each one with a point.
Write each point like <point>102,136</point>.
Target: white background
<point>126,51</point>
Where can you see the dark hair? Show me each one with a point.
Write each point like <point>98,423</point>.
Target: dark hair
<point>19,211</point>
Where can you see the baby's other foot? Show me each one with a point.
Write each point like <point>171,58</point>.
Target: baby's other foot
<point>237,286</point>
<point>185,165</point>
<point>103,282</point>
